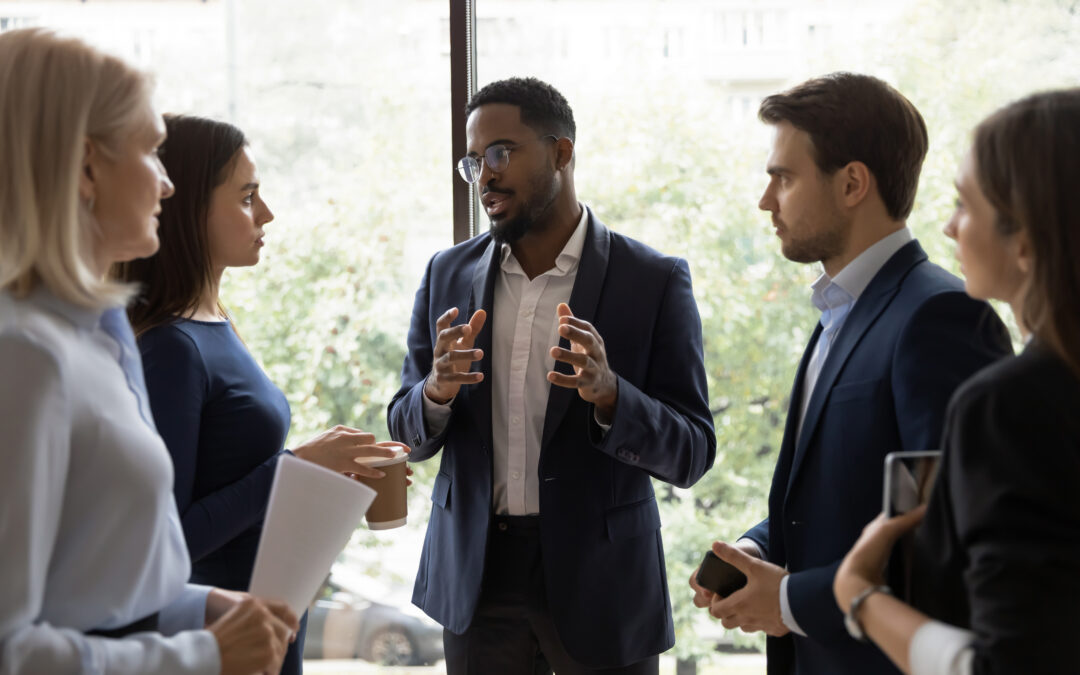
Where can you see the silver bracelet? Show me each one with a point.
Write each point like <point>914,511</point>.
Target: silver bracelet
<point>851,619</point>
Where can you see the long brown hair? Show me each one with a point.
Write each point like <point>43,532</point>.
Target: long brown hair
<point>1026,157</point>
<point>199,155</point>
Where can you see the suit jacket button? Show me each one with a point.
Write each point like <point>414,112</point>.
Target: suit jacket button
<point>502,527</point>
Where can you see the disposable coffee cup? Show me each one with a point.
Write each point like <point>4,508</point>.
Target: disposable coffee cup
<point>390,507</point>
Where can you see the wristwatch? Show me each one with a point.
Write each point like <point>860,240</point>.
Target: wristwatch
<point>851,619</point>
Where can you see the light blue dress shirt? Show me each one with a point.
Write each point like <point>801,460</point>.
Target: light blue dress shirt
<point>834,297</point>
<point>88,526</point>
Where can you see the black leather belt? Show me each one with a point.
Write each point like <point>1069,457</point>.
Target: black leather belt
<point>517,524</point>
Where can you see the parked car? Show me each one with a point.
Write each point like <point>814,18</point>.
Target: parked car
<point>344,625</point>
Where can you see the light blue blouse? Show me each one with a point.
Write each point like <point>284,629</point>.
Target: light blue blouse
<point>89,532</point>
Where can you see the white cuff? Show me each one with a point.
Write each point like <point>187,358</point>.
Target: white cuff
<point>604,428</point>
<point>436,415</point>
<point>760,551</point>
<point>786,614</point>
<point>186,612</point>
<point>940,649</point>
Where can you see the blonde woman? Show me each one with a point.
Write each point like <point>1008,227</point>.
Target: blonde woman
<point>94,567</point>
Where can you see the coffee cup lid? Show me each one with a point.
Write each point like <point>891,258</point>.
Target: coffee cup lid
<point>375,462</point>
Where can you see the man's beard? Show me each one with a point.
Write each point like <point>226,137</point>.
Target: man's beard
<point>824,244</point>
<point>544,192</point>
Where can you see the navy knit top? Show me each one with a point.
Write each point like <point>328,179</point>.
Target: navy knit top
<point>225,424</point>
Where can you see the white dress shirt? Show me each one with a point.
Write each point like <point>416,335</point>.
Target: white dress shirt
<point>524,329</point>
<point>88,526</point>
<point>835,298</point>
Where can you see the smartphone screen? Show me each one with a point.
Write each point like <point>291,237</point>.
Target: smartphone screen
<point>909,479</point>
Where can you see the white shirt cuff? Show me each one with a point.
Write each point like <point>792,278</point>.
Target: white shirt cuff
<point>604,428</point>
<point>786,614</point>
<point>186,612</point>
<point>436,415</point>
<point>760,551</point>
<point>940,649</point>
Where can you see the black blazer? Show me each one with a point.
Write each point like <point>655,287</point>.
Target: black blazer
<point>999,550</point>
<point>599,523</point>
<point>908,343</point>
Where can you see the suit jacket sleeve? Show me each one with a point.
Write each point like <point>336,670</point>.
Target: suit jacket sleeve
<point>666,427</point>
<point>759,534</point>
<point>946,341</point>
<point>405,414</point>
<point>177,382</point>
<point>1014,472</point>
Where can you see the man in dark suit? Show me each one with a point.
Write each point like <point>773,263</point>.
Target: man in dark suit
<point>897,335</point>
<point>577,376</point>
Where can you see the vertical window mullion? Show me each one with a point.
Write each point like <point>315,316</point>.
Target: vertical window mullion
<point>462,87</point>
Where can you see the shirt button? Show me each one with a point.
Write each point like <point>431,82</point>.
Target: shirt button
<point>515,419</point>
<point>515,475</point>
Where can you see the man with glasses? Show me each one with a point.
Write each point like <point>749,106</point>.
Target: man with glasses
<point>558,366</point>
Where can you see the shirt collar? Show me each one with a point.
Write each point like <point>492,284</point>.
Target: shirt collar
<point>850,282</point>
<point>81,317</point>
<point>567,259</point>
<point>858,273</point>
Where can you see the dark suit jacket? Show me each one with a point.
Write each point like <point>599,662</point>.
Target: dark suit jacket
<point>909,341</point>
<point>599,524</point>
<point>999,550</point>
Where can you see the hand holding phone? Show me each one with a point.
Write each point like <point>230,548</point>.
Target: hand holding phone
<point>719,576</point>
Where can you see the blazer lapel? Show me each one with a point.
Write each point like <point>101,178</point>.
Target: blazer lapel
<point>592,268</point>
<point>483,296</point>
<point>873,301</point>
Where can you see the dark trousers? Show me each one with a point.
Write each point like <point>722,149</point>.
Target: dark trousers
<point>512,632</point>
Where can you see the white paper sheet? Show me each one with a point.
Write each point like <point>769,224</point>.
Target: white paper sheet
<point>312,513</point>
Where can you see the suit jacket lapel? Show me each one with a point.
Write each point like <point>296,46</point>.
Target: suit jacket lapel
<point>873,301</point>
<point>592,268</point>
<point>483,296</point>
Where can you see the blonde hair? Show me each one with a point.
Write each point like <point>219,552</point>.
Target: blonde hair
<point>56,93</point>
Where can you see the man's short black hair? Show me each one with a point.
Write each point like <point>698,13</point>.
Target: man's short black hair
<point>542,107</point>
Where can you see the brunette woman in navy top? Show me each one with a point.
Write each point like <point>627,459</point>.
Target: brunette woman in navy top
<point>223,420</point>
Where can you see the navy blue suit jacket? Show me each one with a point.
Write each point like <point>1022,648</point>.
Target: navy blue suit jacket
<point>599,524</point>
<point>909,341</point>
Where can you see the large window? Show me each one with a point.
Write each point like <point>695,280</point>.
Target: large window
<point>347,105</point>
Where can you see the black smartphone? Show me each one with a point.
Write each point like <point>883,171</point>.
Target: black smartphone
<point>719,576</point>
<point>909,479</point>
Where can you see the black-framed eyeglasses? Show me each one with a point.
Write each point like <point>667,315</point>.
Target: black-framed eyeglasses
<point>496,157</point>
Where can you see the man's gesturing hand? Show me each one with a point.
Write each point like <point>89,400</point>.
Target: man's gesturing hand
<point>454,356</point>
<point>592,377</point>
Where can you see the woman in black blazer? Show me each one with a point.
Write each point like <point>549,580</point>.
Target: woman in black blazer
<point>996,570</point>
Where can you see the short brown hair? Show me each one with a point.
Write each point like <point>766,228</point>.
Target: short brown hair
<point>858,118</point>
<point>1026,164</point>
